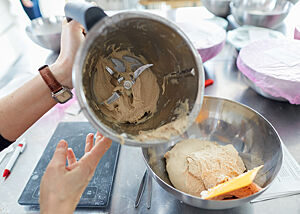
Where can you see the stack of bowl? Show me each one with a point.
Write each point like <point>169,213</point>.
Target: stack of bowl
<point>46,32</point>
<point>264,13</point>
<point>218,7</point>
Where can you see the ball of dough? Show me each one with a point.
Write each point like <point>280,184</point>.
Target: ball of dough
<point>194,165</point>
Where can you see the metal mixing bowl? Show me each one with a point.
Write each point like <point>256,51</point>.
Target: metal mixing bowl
<point>226,122</point>
<point>266,13</point>
<point>218,7</point>
<point>260,91</point>
<point>163,44</point>
<point>46,32</point>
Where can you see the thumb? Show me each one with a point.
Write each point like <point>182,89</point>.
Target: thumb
<point>60,154</point>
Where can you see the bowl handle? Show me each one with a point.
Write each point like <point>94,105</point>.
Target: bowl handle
<point>85,13</point>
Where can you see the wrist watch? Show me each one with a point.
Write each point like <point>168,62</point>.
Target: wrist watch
<point>60,93</point>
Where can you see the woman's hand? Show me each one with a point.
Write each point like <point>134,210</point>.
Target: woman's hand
<point>27,3</point>
<point>61,185</point>
<point>22,108</point>
<point>71,38</point>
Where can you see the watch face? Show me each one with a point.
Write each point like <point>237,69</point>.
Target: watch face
<point>63,95</point>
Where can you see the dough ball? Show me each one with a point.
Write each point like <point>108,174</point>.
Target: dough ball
<point>194,165</point>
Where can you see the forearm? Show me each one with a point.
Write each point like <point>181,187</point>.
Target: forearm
<point>23,107</point>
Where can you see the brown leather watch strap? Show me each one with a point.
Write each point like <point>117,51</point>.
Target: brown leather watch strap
<point>49,79</point>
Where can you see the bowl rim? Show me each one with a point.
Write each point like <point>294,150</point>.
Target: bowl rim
<point>176,193</point>
<point>29,27</point>
<point>268,13</point>
<point>57,18</point>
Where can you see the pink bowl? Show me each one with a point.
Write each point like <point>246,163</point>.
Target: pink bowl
<point>273,66</point>
<point>208,38</point>
<point>209,53</point>
<point>297,32</point>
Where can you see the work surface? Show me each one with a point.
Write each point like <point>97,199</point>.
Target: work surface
<point>228,84</point>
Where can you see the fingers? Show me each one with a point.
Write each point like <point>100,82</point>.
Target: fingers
<point>71,157</point>
<point>90,160</point>
<point>60,155</point>
<point>74,25</point>
<point>64,22</point>
<point>89,142</point>
<point>98,137</point>
<point>27,3</point>
<point>94,3</point>
<point>101,146</point>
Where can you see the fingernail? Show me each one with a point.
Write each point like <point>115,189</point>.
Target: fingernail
<point>99,135</point>
<point>62,144</point>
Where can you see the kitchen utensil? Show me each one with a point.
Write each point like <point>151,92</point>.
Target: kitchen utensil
<point>34,11</point>
<point>160,42</point>
<point>146,180</point>
<point>209,82</point>
<point>232,185</point>
<point>226,122</point>
<point>141,190</point>
<point>149,191</point>
<point>218,7</point>
<point>267,13</point>
<point>5,152</point>
<point>119,80</point>
<point>46,32</point>
<point>273,67</point>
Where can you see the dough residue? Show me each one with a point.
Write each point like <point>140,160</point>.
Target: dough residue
<point>165,132</point>
<point>135,105</point>
<point>194,165</point>
<point>171,129</point>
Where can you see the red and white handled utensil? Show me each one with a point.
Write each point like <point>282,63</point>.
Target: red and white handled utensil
<point>19,149</point>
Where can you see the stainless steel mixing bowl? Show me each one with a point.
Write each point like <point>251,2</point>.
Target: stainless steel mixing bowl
<point>226,122</point>
<point>218,7</point>
<point>46,32</point>
<point>260,91</point>
<point>161,43</point>
<point>266,13</point>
